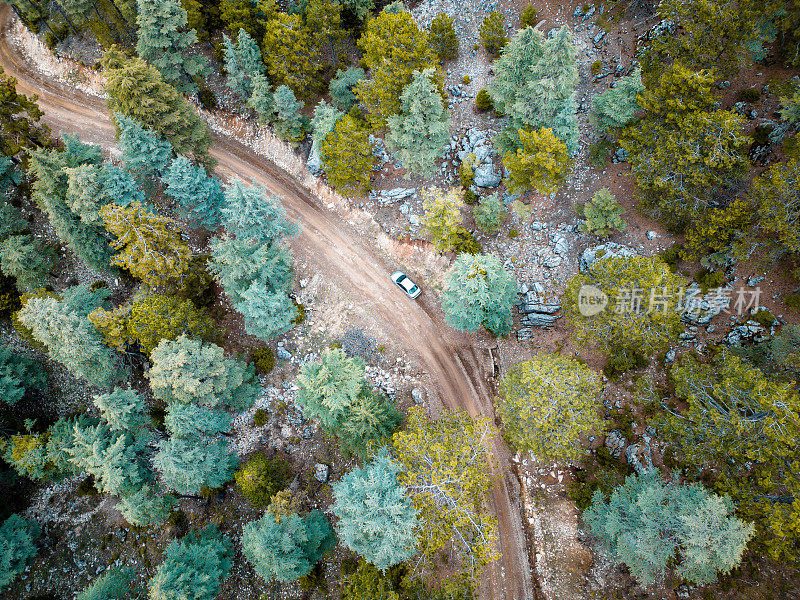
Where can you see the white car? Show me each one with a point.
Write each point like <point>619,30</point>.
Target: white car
<point>410,288</point>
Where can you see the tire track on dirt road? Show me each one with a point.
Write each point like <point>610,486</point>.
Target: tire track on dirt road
<point>327,242</point>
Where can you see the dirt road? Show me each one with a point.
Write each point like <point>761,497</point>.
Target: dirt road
<point>326,242</point>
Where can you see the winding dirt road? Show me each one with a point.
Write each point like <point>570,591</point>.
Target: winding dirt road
<point>338,252</point>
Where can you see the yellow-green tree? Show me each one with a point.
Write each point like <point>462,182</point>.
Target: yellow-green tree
<point>641,314</point>
<point>548,404</point>
<point>149,246</point>
<point>446,466</point>
<point>742,427</point>
<point>149,319</point>
<point>348,157</point>
<point>775,199</point>
<point>684,153</point>
<point>542,163</point>
<point>289,52</point>
<point>442,218</point>
<point>394,47</point>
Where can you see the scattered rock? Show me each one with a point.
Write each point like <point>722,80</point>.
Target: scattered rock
<point>486,176</point>
<point>321,472</point>
<point>615,442</point>
<point>417,395</point>
<point>607,250</point>
<point>651,235</point>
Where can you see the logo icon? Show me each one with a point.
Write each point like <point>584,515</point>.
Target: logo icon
<point>591,300</point>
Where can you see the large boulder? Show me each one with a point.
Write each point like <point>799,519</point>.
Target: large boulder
<point>607,250</point>
<point>486,176</point>
<point>314,162</point>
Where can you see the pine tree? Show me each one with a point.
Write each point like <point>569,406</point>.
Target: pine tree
<point>19,120</point>
<point>17,547</point>
<point>237,263</point>
<point>646,521</point>
<point>625,323</point>
<point>187,464</point>
<point>250,212</point>
<point>490,214</point>
<point>376,517</point>
<point>199,194</point>
<point>163,42</point>
<point>288,124</point>
<point>341,87</point>
<point>330,386</point>
<point>479,291</point>
<point>266,312</point>
<point>616,107</point>
<point>324,120</point>
<point>116,459</point>
<point>113,585</point>
<point>185,371</point>
<point>324,23</point>
<point>548,404</point>
<point>71,339</point>
<point>603,214</point>
<point>535,86</point>
<point>443,465</point>
<point>50,189</point>
<point>740,425</point>
<point>289,54</point>
<point>84,192</point>
<point>367,423</point>
<point>442,218</point>
<point>683,168</point>
<point>123,409</point>
<point>492,34</point>
<point>240,14</point>
<point>138,91</point>
<point>146,506</point>
<point>144,152</point>
<point>394,47</point>
<point>149,246</point>
<point>242,63</point>
<point>348,158</point>
<point>19,375</point>
<point>361,8</point>
<point>527,17</point>
<point>442,37</point>
<point>421,130</point>
<point>27,260</point>
<point>284,549</point>
<point>188,421</point>
<point>542,162</point>
<point>262,99</point>
<point>193,567</point>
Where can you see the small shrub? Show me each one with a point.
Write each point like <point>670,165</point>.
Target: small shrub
<point>622,360</point>
<point>672,256</point>
<point>301,312</point>
<point>581,492</point>
<point>466,171</point>
<point>513,232</point>
<point>87,488</point>
<point>263,360</point>
<point>207,98</point>
<point>709,279</point>
<point>483,101</point>
<point>178,521</point>
<point>260,417</point>
<point>596,66</point>
<point>465,242</point>
<point>600,153</point>
<point>761,135</point>
<point>475,46</point>
<point>764,318</point>
<point>528,17</point>
<point>603,214</point>
<point>98,285</point>
<point>260,478</point>
<point>465,79</point>
<point>748,95</point>
<point>470,197</point>
<point>792,301</point>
